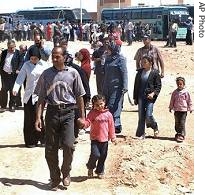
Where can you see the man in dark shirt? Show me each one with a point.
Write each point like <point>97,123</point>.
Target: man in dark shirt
<point>44,51</point>
<point>61,88</point>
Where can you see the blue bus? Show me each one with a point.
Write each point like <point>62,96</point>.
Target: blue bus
<point>52,14</point>
<point>158,18</point>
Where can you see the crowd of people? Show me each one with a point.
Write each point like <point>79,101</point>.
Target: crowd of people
<point>52,80</point>
<point>128,31</point>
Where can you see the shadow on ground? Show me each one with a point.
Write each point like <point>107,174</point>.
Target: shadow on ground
<point>43,186</point>
<point>12,146</point>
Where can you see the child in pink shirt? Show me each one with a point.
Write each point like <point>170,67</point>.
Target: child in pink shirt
<point>102,130</point>
<point>180,103</point>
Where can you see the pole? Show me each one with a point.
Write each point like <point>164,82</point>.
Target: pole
<point>81,13</point>
<point>119,4</point>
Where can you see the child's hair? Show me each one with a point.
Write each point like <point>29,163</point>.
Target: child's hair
<point>149,58</point>
<point>96,98</point>
<point>180,79</point>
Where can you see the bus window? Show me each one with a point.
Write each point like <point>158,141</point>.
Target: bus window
<point>136,14</point>
<point>107,15</point>
<point>68,15</point>
<point>77,14</point>
<point>147,14</point>
<point>117,15</point>
<point>156,13</point>
<point>127,15</point>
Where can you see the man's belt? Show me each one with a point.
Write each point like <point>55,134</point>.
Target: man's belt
<point>62,106</point>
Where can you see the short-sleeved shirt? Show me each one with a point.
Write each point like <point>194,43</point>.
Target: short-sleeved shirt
<point>59,86</point>
<point>152,50</point>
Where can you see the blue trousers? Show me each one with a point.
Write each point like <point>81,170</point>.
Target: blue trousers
<point>129,37</point>
<point>115,105</point>
<point>145,114</point>
<point>98,156</point>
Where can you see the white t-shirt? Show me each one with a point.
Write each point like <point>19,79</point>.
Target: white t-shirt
<point>7,65</point>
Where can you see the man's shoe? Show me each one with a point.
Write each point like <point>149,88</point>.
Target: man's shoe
<point>101,176</point>
<point>2,110</point>
<point>156,133</point>
<point>90,173</point>
<point>76,140</point>
<point>31,146</point>
<point>12,109</point>
<point>66,181</point>
<point>142,137</point>
<point>42,145</point>
<point>55,184</point>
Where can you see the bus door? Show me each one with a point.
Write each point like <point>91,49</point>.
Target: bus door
<point>165,26</point>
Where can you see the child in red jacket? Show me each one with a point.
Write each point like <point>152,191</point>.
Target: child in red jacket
<point>102,130</point>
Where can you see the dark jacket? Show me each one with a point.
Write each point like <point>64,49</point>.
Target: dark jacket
<point>85,82</point>
<point>15,62</point>
<point>153,84</point>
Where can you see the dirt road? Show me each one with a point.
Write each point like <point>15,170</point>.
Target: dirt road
<point>149,167</point>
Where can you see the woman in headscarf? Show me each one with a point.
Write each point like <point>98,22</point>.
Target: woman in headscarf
<point>115,82</point>
<point>84,57</point>
<point>31,71</point>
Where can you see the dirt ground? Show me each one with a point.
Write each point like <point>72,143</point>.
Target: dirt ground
<point>150,167</point>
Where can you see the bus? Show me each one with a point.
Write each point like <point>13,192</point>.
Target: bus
<point>52,14</point>
<point>158,18</point>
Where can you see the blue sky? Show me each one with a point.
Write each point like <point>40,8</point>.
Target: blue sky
<point>89,5</point>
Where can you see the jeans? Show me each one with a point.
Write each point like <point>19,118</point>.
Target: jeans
<point>98,156</point>
<point>115,105</point>
<point>129,37</point>
<point>180,120</point>
<point>145,110</point>
<point>59,129</point>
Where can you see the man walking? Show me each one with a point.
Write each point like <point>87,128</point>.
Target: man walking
<point>9,66</point>
<point>152,50</point>
<point>61,88</point>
